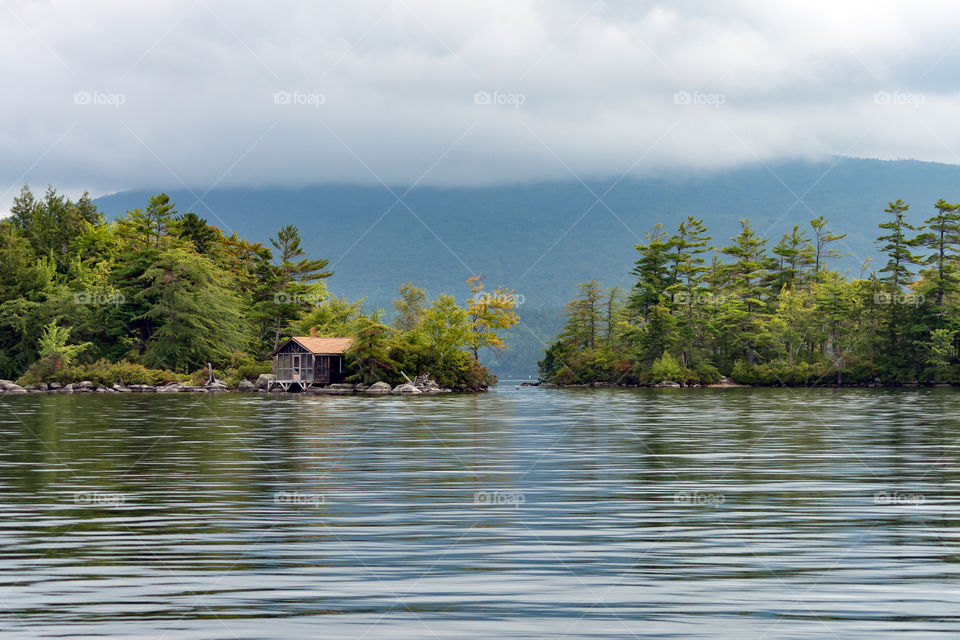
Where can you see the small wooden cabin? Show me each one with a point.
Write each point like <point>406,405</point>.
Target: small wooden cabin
<point>305,361</point>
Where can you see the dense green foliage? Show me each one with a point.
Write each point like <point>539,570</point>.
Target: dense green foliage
<point>541,239</point>
<point>777,316</point>
<point>440,338</point>
<point>153,296</point>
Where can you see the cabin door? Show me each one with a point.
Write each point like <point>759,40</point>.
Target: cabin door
<point>296,367</point>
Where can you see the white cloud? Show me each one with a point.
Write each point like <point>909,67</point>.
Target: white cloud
<point>110,95</point>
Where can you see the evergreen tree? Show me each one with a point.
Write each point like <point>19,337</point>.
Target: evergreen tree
<point>654,275</point>
<point>688,266</point>
<point>369,356</point>
<point>750,281</point>
<point>151,225</point>
<point>943,240</point>
<point>195,315</point>
<point>898,245</point>
<point>289,287</point>
<point>796,255</point>
<point>835,303</point>
<point>584,316</point>
<point>194,229</point>
<point>822,237</point>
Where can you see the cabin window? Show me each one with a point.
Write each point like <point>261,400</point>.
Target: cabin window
<point>284,366</point>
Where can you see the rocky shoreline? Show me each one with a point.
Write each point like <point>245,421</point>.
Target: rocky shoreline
<point>723,383</point>
<point>421,385</point>
<point>729,383</point>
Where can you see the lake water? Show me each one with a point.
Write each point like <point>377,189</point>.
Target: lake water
<point>713,513</point>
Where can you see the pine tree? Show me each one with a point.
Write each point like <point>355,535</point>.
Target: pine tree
<point>688,246</point>
<point>290,286</point>
<point>835,303</point>
<point>898,246</point>
<point>195,230</point>
<point>584,319</point>
<point>900,327</point>
<point>654,276</point>
<point>750,280</point>
<point>822,237</point>
<point>943,239</point>
<point>796,255</point>
<point>153,223</point>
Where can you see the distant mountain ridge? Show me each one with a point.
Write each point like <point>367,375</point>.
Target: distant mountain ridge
<point>543,239</point>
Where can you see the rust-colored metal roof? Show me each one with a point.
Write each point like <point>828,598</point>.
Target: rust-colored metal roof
<point>322,346</point>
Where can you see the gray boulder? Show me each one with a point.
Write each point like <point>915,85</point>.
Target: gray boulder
<point>119,388</point>
<point>406,389</point>
<point>246,386</point>
<point>726,382</point>
<point>7,386</point>
<point>378,387</point>
<point>426,384</point>
<point>264,381</point>
<point>10,387</point>
<point>667,384</point>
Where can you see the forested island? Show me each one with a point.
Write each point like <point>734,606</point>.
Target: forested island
<point>153,296</point>
<point>778,316</point>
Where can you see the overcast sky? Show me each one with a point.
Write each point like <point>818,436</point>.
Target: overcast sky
<point>118,94</point>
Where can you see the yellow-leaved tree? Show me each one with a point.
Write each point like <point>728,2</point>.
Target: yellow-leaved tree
<point>489,312</point>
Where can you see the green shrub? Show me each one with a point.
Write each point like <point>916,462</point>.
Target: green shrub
<point>858,372</point>
<point>707,373</point>
<point>461,372</point>
<point>932,375</point>
<point>744,374</point>
<point>458,370</point>
<point>46,370</point>
<point>780,373</point>
<point>101,372</point>
<point>666,368</point>
<point>252,370</point>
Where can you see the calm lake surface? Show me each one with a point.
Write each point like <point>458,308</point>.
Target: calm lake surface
<point>713,513</point>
